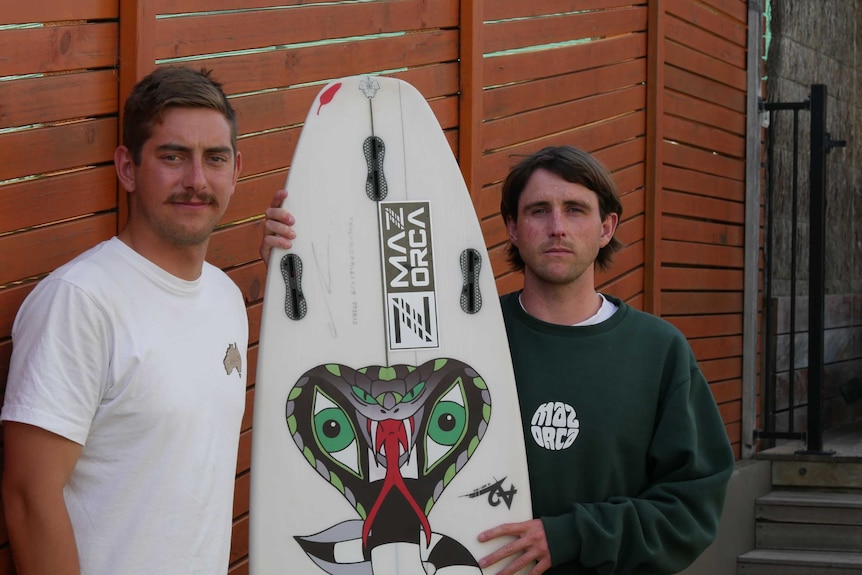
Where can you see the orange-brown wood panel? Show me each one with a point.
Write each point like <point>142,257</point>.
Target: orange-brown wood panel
<point>620,155</point>
<point>519,67</point>
<point>280,68</point>
<point>494,231</point>
<point>717,347</point>
<point>41,150</point>
<point>715,210</point>
<point>527,126</point>
<point>239,567</point>
<point>252,362</point>
<point>702,255</point>
<point>706,325</point>
<point>239,540</point>
<point>698,303</point>
<point>700,231</point>
<point>627,129</point>
<point>268,152</point>
<point>704,88</point>
<point>690,59</point>
<point>213,32</point>
<point>241,494</point>
<point>507,9</point>
<point>515,98</point>
<point>633,203</point>
<point>251,279</point>
<point>235,245</point>
<point>255,315</point>
<point>566,27</point>
<point>631,230</point>
<point>703,136</point>
<point>41,250</point>
<point>681,180</point>
<point>706,41</point>
<point>253,195</point>
<point>44,200</point>
<point>58,48</point>
<point>718,23</point>
<point>186,6</point>
<point>51,98</point>
<point>34,11</point>
<point>243,459</point>
<point>625,260</point>
<point>631,181</point>
<point>728,390</point>
<point>736,9</point>
<point>267,110</point>
<point>684,156</point>
<point>704,112</point>
<point>720,369</point>
<point>626,286</point>
<point>11,299</point>
<point>684,279</point>
<point>510,283</point>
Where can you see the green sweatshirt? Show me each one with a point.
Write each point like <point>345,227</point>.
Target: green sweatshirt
<point>628,456</point>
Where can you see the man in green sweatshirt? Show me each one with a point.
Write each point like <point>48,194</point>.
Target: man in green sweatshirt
<point>628,455</point>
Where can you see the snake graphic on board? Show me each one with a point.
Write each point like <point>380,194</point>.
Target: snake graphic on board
<point>389,439</point>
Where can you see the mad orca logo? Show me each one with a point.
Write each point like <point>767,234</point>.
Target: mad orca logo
<point>408,272</point>
<point>555,425</point>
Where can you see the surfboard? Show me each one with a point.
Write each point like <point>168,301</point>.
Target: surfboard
<point>386,428</point>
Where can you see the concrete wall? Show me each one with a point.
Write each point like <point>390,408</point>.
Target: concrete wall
<point>815,42</point>
<point>751,479</point>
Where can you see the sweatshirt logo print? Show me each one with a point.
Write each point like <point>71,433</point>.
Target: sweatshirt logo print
<point>554,426</point>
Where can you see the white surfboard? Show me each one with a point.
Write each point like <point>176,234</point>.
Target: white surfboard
<point>386,425</point>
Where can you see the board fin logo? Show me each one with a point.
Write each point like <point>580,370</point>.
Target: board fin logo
<point>408,272</point>
<point>369,86</point>
<point>327,95</point>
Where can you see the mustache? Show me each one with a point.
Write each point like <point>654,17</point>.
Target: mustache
<point>188,197</point>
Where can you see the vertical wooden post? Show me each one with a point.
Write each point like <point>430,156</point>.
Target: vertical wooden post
<point>470,107</point>
<point>654,156</point>
<point>137,59</point>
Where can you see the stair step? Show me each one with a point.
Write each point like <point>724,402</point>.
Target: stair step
<point>773,561</point>
<point>826,472</point>
<point>803,536</point>
<point>818,507</point>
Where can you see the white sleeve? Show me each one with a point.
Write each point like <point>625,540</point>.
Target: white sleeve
<point>60,361</point>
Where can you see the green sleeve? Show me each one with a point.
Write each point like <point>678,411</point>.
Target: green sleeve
<point>674,518</point>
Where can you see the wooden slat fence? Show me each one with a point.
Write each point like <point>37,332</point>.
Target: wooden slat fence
<point>655,90</point>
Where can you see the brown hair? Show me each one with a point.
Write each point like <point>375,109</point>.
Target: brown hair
<point>167,87</point>
<point>575,166</point>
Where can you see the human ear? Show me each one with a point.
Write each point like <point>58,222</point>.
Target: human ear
<point>125,166</point>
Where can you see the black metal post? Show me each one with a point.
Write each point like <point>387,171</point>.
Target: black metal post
<point>816,267</point>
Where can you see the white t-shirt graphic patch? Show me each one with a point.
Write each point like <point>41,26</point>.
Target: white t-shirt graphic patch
<point>554,425</point>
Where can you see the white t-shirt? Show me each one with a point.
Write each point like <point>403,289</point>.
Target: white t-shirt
<point>147,372</point>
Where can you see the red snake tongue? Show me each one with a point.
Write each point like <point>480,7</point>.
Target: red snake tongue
<point>392,435</point>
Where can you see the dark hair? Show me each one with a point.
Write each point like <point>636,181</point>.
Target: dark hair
<point>168,87</point>
<point>575,166</point>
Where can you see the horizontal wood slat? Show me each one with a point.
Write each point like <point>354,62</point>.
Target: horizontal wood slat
<point>683,156</point>
<point>684,279</point>
<point>702,136</point>
<point>698,303</point>
<point>548,120</point>
<point>522,33</point>
<point>704,112</point>
<point>716,210</point>
<point>33,11</point>
<point>58,48</point>
<point>705,42</point>
<point>699,231</point>
<point>689,59</point>
<point>42,250</point>
<point>507,9</point>
<point>11,299</point>
<point>518,67</point>
<point>210,33</point>
<point>53,198</point>
<point>681,180</point>
<point>700,15</point>
<point>507,100</point>
<point>279,68</point>
<point>52,98</point>
<point>702,255</point>
<point>186,6</point>
<point>235,245</point>
<point>253,195</point>
<point>41,150</point>
<point>704,89</point>
<point>707,325</point>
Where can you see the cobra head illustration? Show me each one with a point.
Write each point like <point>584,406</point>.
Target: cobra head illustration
<point>389,439</point>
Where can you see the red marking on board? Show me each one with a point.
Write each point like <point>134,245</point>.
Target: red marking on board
<point>327,95</point>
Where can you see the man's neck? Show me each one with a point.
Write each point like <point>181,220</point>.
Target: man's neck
<point>185,263</point>
<point>560,304</point>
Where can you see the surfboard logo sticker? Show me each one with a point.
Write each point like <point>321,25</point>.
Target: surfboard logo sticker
<point>408,275</point>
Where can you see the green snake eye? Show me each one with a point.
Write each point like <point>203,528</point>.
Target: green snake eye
<point>446,425</point>
<point>362,395</point>
<point>334,433</point>
<point>333,429</point>
<point>414,393</point>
